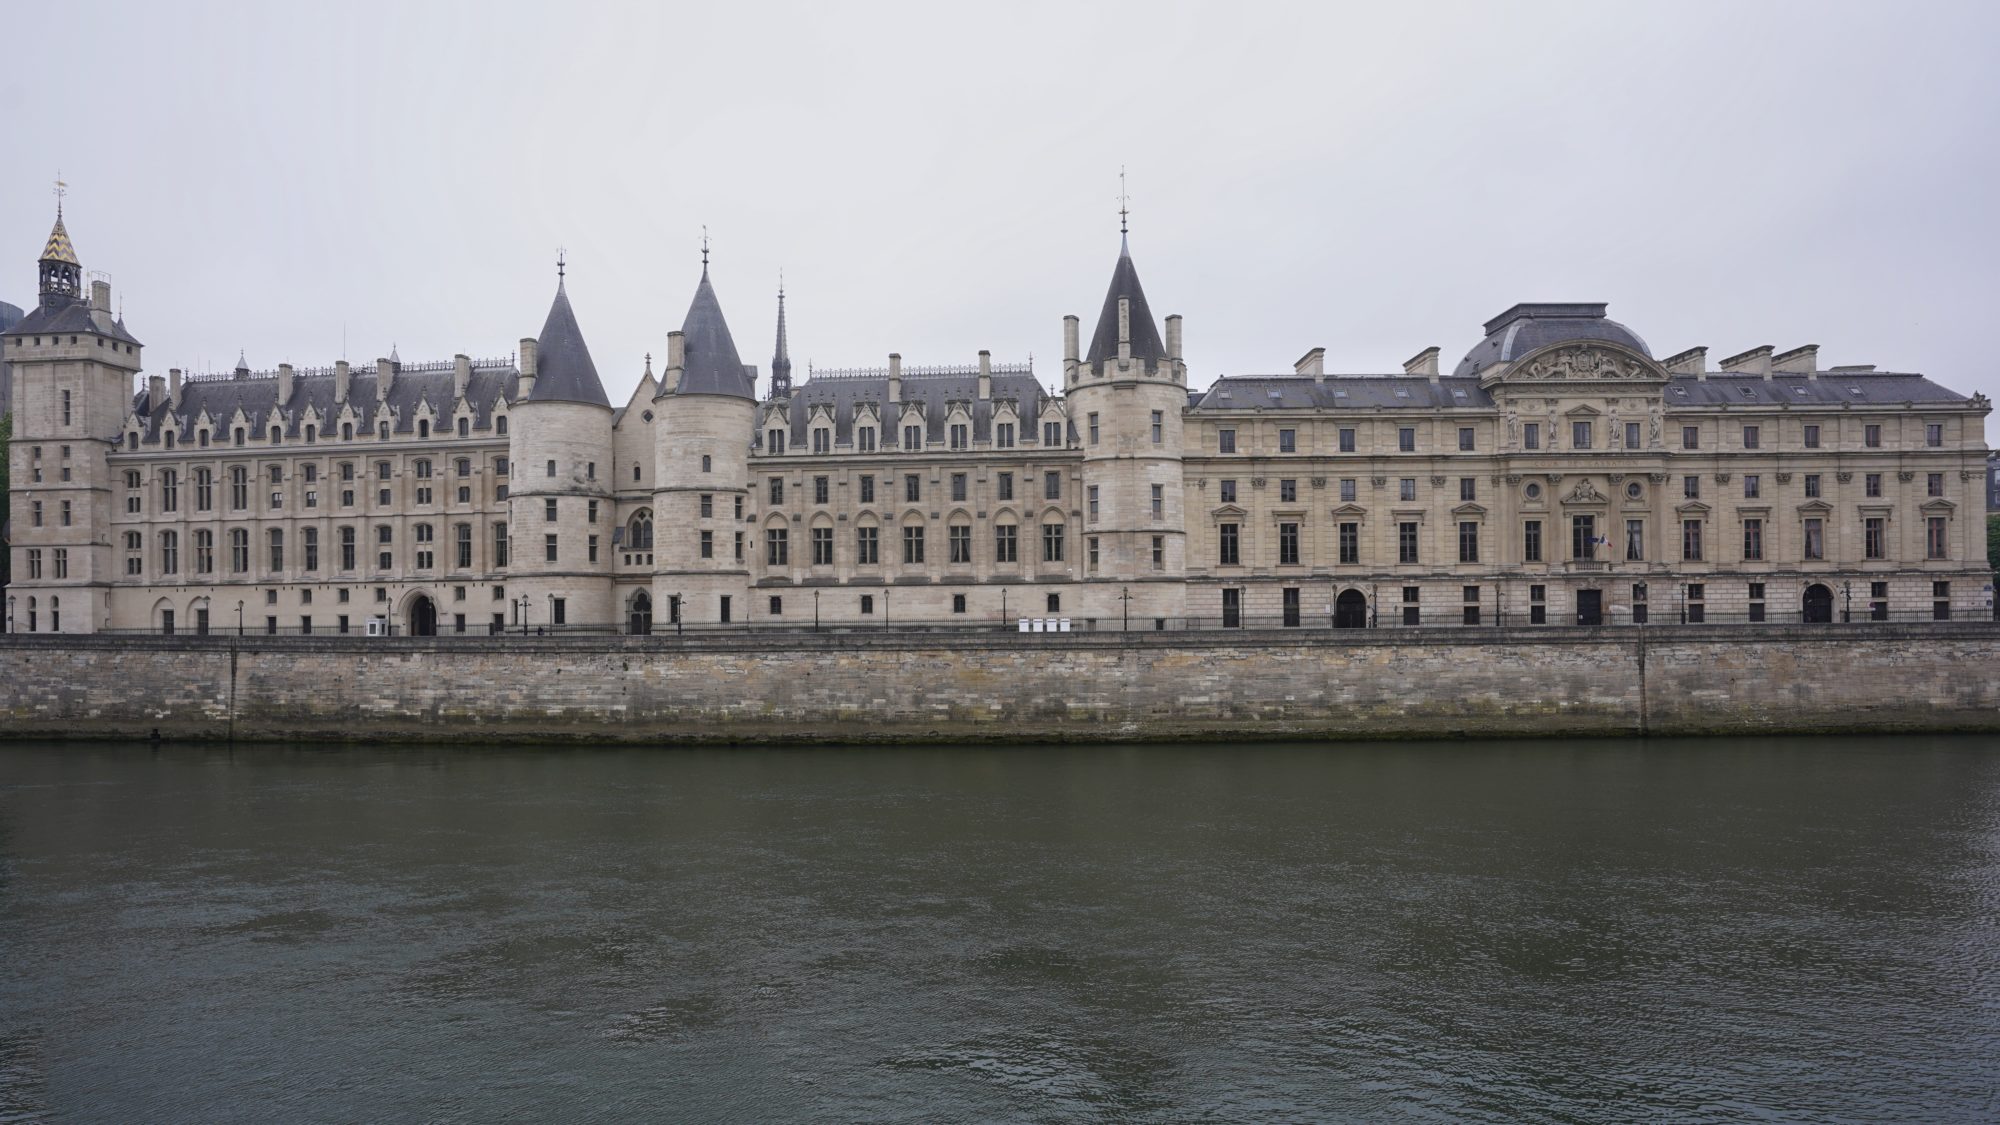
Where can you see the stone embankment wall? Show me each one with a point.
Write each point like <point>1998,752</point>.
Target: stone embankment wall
<point>883,686</point>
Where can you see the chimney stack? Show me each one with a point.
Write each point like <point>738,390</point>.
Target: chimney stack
<point>670,379</point>
<point>100,296</point>
<point>1173,344</point>
<point>895,377</point>
<point>156,392</point>
<point>526,387</point>
<point>1756,361</point>
<point>284,384</point>
<point>343,378</point>
<point>1798,361</point>
<point>985,375</point>
<point>1423,363</point>
<point>174,387</point>
<point>1070,360</point>
<point>461,376</point>
<point>385,377</point>
<point>1693,361</point>
<point>1312,363</point>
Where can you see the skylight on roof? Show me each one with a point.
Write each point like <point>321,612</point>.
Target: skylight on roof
<point>1799,390</point>
<point>1854,390</point>
<point>1400,393</point>
<point>1748,392</point>
<point>1456,393</point>
<point>1681,391</point>
<point>1340,394</point>
<point>1275,394</point>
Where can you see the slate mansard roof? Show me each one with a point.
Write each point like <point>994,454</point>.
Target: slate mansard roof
<point>1527,327</point>
<point>934,391</point>
<point>1407,392</point>
<point>74,315</point>
<point>492,383</point>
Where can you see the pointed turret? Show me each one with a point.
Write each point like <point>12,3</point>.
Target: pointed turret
<point>1138,329</point>
<point>62,274</point>
<point>564,371</point>
<point>781,360</point>
<point>712,365</point>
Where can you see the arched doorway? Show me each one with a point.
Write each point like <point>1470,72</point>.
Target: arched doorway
<point>1818,604</point>
<point>423,616</point>
<point>640,621</point>
<point>1350,610</point>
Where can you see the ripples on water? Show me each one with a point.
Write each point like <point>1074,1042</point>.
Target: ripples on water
<point>1715,931</point>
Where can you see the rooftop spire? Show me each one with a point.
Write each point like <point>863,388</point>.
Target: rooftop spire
<point>1143,333</point>
<point>1124,203</point>
<point>781,361</point>
<point>704,249</point>
<point>61,273</point>
<point>564,371</point>
<point>560,255</point>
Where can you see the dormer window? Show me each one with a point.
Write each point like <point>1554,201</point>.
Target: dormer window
<point>864,439</point>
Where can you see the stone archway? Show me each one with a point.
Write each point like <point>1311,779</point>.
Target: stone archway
<point>1350,610</point>
<point>639,618</point>
<point>1818,604</point>
<point>422,616</point>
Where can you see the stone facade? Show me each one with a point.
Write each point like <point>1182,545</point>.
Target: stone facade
<point>1559,474</point>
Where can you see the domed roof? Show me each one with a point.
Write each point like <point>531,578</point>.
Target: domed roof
<point>1530,327</point>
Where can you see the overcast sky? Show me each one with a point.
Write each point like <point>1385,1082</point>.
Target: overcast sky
<point>932,180</point>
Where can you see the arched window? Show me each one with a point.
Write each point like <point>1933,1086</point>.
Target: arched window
<point>635,470</point>
<point>706,463</point>
<point>641,533</point>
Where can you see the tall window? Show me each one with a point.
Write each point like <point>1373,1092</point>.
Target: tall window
<point>958,435</point>
<point>1583,537</point>
<point>1635,540</point>
<point>1052,433</point>
<point>1159,501</point>
<point>913,438</point>
<point>1937,543</point>
<point>239,488</point>
<point>1691,540</point>
<point>1812,437</point>
<point>1230,551</point>
<point>958,486</point>
<point>822,490</point>
<point>239,551</point>
<point>277,537</point>
<point>347,548</point>
<point>1465,439</point>
<point>1871,436</point>
<point>1872,537</point>
<point>1347,439</point>
<point>1934,434</point>
<point>1225,440</point>
<point>1288,441</point>
<point>777,490</point>
<point>461,545</point>
<point>1406,439</point>
<point>1815,538</point>
<point>864,439</point>
<point>1468,542</point>
<point>426,546</point>
<point>1406,542</point>
<point>1753,540</point>
<point>913,545</point>
<point>1288,544</point>
<point>1350,543</point>
<point>1091,421</point>
<point>1579,435</point>
<point>777,550</point>
<point>1003,435</point>
<point>1052,542</point>
<point>1159,427</point>
<point>1750,437</point>
<point>1531,435</point>
<point>170,492</point>
<point>1052,486</point>
<point>1006,543</point>
<point>1531,541</point>
<point>822,546</point>
<point>170,552</point>
<point>867,546</point>
<point>960,539</point>
<point>499,544</point>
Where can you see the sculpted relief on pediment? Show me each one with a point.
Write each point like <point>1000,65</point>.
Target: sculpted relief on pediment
<point>1581,363</point>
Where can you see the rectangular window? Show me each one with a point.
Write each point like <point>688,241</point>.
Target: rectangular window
<point>1934,434</point>
<point>958,486</point>
<point>1753,540</point>
<point>707,505</point>
<point>1052,542</point>
<point>1579,435</point>
<point>1232,609</point>
<point>1631,435</point>
<point>277,545</point>
<point>1406,439</point>
<point>1690,437</point>
<point>1531,435</point>
<point>1228,545</point>
<point>1288,544</point>
<point>1003,435</point>
<point>1052,433</point>
<point>549,548</point>
<point>913,489</point>
<point>549,511</point>
<point>1159,501</point>
<point>1091,419</point>
<point>1006,544</point>
<point>1410,607</point>
<point>777,547</point>
<point>1003,487</point>
<point>1691,487</point>
<point>1406,542</point>
<point>1227,491</point>
<point>1583,537</point>
<point>559,611</point>
<point>1159,426</point>
<point>1750,436</point>
<point>1753,486</point>
<point>1225,441</point>
<point>1288,491</point>
<point>960,542</point>
<point>776,489</point>
<point>590,553</point>
<point>822,546</point>
<point>1090,502</point>
<point>1159,551</point>
<point>1937,541</point>
<point>1815,538</point>
<point>1288,441</point>
<point>708,544</point>
<point>1812,437</point>
<point>867,546</point>
<point>1871,436</point>
<point>1872,537</point>
<point>1812,486</point>
<point>1468,542</point>
<point>1871,484</point>
<point>1406,488</point>
<point>1468,488</point>
<point>461,546</point>
<point>1691,540</point>
<point>958,434</point>
<point>1347,490</point>
<point>913,438</point>
<point>1290,604</point>
<point>239,551</point>
<point>1465,439</point>
<point>1347,439</point>
<point>1350,543</point>
<point>1051,486</point>
<point>1635,540</point>
<point>1934,484</point>
<point>867,488</point>
<point>913,545</point>
<point>822,490</point>
<point>590,512</point>
<point>1531,541</point>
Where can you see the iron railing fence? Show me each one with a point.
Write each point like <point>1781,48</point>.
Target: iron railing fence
<point>1389,618</point>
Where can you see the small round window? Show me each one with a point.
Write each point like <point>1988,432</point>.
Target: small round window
<point>1632,490</point>
<point>1534,492</point>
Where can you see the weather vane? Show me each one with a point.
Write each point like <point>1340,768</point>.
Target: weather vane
<point>62,189</point>
<point>1124,200</point>
<point>561,253</point>
<point>704,245</point>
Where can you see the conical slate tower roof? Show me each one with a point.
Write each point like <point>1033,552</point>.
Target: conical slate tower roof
<point>712,366</point>
<point>59,248</point>
<point>563,368</point>
<point>1146,346</point>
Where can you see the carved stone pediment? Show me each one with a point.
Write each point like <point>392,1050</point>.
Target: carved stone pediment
<point>1584,493</point>
<point>1580,363</point>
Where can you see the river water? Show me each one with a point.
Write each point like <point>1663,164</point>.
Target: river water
<point>1724,930</point>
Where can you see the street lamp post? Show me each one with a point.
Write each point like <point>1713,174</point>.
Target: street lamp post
<point>674,600</point>
<point>1003,606</point>
<point>524,603</point>
<point>552,614</point>
<point>885,607</point>
<point>1125,596</point>
<point>1847,613</point>
<point>239,617</point>
<point>815,611</point>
